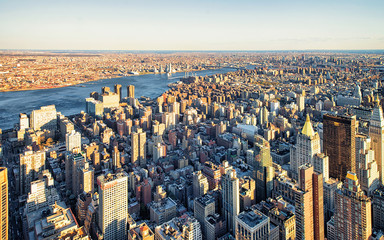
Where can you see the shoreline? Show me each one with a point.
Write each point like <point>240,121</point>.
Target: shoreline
<point>93,80</point>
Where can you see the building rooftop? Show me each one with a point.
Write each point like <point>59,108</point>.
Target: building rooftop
<point>252,218</point>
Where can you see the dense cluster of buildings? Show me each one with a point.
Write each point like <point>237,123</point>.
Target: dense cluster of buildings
<point>268,153</point>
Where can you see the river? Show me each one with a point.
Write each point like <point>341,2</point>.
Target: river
<point>71,100</point>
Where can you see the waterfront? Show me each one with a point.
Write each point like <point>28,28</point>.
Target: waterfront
<point>71,100</point>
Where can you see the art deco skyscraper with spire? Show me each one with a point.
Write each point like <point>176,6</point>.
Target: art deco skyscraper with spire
<point>307,145</point>
<point>376,132</point>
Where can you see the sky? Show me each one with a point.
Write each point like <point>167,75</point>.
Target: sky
<point>191,25</point>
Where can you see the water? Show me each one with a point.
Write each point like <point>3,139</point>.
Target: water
<point>71,100</point>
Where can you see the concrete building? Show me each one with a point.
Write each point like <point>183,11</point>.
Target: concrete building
<point>113,205</point>
<point>138,146</point>
<point>376,132</point>
<point>353,216</point>
<point>44,118</point>
<point>30,166</point>
<point>231,199</point>
<point>141,232</point>
<point>73,140</point>
<point>378,208</point>
<point>163,211</point>
<point>254,225</point>
<point>200,184</point>
<point>183,228</point>
<point>307,146</point>
<point>204,206</point>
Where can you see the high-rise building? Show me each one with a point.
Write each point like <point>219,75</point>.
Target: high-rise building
<point>366,165</point>
<point>113,205</point>
<point>44,118</point>
<point>116,158</point>
<point>73,140</point>
<point>3,203</point>
<point>131,91</point>
<point>378,208</point>
<point>307,145</point>
<point>31,165</point>
<point>353,217</point>
<point>339,144</point>
<point>138,153</point>
<point>329,191</point>
<point>23,121</point>
<point>204,206</point>
<point>300,102</point>
<point>231,199</point>
<point>163,211</point>
<point>309,208</point>
<point>263,171</point>
<point>376,132</point>
<point>118,90</point>
<point>321,165</point>
<point>200,184</point>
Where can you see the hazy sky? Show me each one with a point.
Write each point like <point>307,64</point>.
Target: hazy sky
<point>191,25</point>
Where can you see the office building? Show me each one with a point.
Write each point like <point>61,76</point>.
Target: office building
<point>113,205</point>
<point>378,208</point>
<point>204,206</point>
<point>215,227</point>
<point>73,140</point>
<point>131,91</point>
<point>307,146</point>
<point>339,144</point>
<point>163,211</point>
<point>231,199</point>
<point>376,133</point>
<point>44,118</point>
<point>254,225</point>
<point>300,102</point>
<point>138,146</point>
<point>117,88</point>
<point>263,171</point>
<point>200,184</point>
<point>353,217</point>
<point>329,191</point>
<point>4,203</point>
<point>31,165</point>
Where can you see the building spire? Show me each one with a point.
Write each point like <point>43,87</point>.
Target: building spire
<point>307,129</point>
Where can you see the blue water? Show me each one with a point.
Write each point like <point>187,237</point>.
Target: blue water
<point>71,100</point>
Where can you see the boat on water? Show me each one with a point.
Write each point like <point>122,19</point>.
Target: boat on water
<point>134,73</point>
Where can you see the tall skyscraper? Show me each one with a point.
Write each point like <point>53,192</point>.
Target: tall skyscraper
<point>231,200</point>
<point>138,152</point>
<point>118,90</point>
<point>31,164</point>
<point>300,102</point>
<point>3,203</point>
<point>353,217</point>
<point>131,91</point>
<point>309,205</point>
<point>73,140</point>
<point>376,132</point>
<point>113,205</point>
<point>307,145</point>
<point>339,144</point>
<point>263,171</point>
<point>204,206</point>
<point>116,158</point>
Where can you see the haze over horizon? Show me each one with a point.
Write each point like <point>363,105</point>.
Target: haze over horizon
<point>191,26</point>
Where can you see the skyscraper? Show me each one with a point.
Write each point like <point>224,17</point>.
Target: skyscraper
<point>131,91</point>
<point>307,145</point>
<point>118,90</point>
<point>3,203</point>
<point>263,171</point>
<point>113,205</point>
<point>353,217</point>
<point>231,200</point>
<point>339,144</point>
<point>138,152</point>
<point>309,205</point>
<point>376,132</point>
